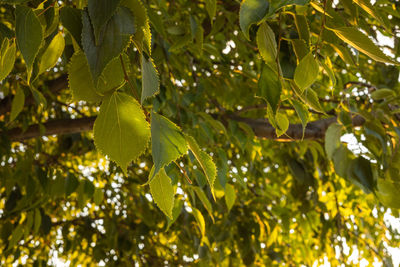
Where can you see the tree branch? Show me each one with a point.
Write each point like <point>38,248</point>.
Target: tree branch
<point>261,127</point>
<point>314,130</point>
<point>56,127</point>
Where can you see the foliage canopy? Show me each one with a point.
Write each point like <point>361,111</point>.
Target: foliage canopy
<point>170,132</point>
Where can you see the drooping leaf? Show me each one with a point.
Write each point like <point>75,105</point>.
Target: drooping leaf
<point>71,19</point>
<point>311,99</point>
<point>112,76</point>
<point>302,112</point>
<point>306,72</point>
<point>267,44</point>
<point>38,96</point>
<point>98,196</point>
<point>163,192</point>
<point>251,12</point>
<point>200,220</point>
<point>388,193</point>
<point>80,79</point>
<point>113,39</point>
<point>121,130</point>
<point>150,81</point>
<point>269,86</point>
<point>204,200</point>
<point>211,7</point>
<point>100,12</point>
<point>300,48</point>
<point>205,161</point>
<point>167,142</point>
<point>332,139</point>
<point>282,122</point>
<point>362,43</point>
<point>230,196</point>
<point>302,27</point>
<point>7,58</point>
<point>382,94</point>
<point>52,53</point>
<point>29,35</point>
<point>142,37</point>
<point>17,103</point>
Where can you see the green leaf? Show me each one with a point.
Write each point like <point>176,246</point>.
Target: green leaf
<point>382,94</point>
<point>282,123</point>
<point>175,212</point>
<point>211,7</point>
<point>302,112</point>
<point>143,33</point>
<point>163,192</point>
<point>300,48</point>
<point>328,69</point>
<point>98,196</point>
<point>311,99</point>
<point>52,53</point>
<point>167,142</point>
<point>121,130</point>
<point>71,19</point>
<point>306,72</point>
<point>302,27</point>
<point>230,196</point>
<point>17,103</point>
<point>150,81</point>
<point>388,193</point>
<point>29,35</point>
<point>39,97</point>
<point>80,79</point>
<point>205,161</point>
<point>112,77</point>
<point>16,236</point>
<point>269,87</point>
<point>251,12</point>
<point>361,174</point>
<point>366,5</point>
<point>332,139</point>
<point>71,184</point>
<point>362,43</point>
<point>203,198</point>
<point>7,58</point>
<point>113,39</point>
<point>267,44</point>
<point>37,221</point>
<point>100,12</point>
<point>200,220</point>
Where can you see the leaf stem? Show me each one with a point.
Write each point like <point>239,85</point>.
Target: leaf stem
<point>184,173</point>
<point>126,77</point>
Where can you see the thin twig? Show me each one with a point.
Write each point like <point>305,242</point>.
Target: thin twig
<point>184,173</point>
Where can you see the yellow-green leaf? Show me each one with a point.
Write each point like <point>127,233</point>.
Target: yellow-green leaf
<point>205,161</point>
<point>163,192</point>
<point>167,142</point>
<point>52,53</point>
<point>306,72</point>
<point>17,103</point>
<point>7,58</point>
<point>362,43</point>
<point>203,198</point>
<point>80,79</point>
<point>121,130</point>
<point>267,44</point>
<point>230,196</point>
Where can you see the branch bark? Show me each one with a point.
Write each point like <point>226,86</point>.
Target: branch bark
<point>261,127</point>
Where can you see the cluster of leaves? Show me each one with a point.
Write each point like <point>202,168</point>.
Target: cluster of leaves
<point>167,78</point>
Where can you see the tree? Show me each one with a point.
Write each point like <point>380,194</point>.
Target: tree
<point>214,132</point>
